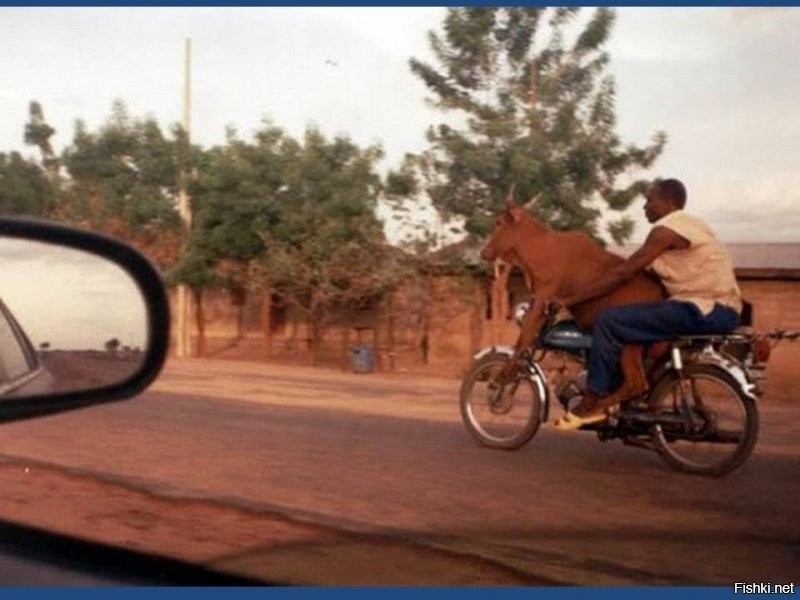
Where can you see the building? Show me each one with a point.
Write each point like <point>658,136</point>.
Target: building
<point>436,324</point>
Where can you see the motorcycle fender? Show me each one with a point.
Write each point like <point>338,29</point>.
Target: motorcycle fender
<point>739,375</point>
<point>503,349</point>
<point>735,371</point>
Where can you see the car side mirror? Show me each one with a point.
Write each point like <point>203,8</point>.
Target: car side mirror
<point>84,319</point>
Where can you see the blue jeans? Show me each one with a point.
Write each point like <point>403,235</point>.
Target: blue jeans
<point>644,323</point>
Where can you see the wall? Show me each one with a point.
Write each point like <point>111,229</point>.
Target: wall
<point>457,326</point>
<point>776,305</point>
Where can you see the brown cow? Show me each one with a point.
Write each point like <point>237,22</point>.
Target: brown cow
<point>556,265</point>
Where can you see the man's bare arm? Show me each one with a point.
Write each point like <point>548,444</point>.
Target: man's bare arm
<point>659,241</point>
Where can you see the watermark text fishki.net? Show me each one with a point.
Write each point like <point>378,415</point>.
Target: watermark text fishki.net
<point>763,588</point>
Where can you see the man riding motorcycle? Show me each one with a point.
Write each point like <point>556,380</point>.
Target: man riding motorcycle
<point>697,273</point>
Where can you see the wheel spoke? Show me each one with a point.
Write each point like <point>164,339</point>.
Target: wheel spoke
<point>504,418</point>
<point>706,424</point>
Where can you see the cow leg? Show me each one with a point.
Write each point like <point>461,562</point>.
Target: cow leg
<point>634,378</point>
<point>529,330</point>
<point>592,409</point>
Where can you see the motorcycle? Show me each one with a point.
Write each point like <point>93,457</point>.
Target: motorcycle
<point>700,413</point>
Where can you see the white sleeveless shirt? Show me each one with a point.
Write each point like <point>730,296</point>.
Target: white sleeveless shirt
<point>703,272</point>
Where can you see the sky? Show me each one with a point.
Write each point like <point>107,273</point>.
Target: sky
<point>70,299</point>
<point>723,83</point>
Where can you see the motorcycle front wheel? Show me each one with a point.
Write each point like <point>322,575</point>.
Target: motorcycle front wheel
<point>707,425</point>
<point>504,418</point>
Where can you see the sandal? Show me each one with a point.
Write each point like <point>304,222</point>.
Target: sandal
<point>570,421</point>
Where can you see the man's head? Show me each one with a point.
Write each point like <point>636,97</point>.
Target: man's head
<point>663,197</point>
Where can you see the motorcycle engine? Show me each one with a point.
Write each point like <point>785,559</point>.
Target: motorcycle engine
<point>567,378</point>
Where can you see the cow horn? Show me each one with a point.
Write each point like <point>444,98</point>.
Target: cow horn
<point>530,203</point>
<point>510,195</point>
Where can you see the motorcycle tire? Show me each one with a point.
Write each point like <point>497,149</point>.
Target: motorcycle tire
<point>515,431</point>
<point>679,449</point>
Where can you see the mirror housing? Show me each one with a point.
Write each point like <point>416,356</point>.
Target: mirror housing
<point>153,294</point>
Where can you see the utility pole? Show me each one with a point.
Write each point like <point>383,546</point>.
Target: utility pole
<point>183,346</point>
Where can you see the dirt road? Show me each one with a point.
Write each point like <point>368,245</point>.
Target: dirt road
<point>317,476</point>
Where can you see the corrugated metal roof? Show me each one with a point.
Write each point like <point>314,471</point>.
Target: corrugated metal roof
<point>751,260</point>
<point>766,256</point>
<point>749,256</point>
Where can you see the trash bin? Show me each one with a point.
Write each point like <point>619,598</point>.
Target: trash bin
<point>363,359</point>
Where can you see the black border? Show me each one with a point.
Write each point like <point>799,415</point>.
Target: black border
<point>153,292</point>
<point>113,564</point>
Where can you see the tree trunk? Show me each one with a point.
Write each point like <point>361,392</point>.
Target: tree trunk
<point>239,298</point>
<point>390,342</point>
<point>294,334</point>
<point>477,318</point>
<point>425,342</point>
<point>266,320</point>
<point>313,334</point>
<point>200,322</point>
<point>428,319</point>
<point>313,342</point>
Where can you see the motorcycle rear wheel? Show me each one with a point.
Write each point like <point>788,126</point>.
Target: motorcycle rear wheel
<point>725,426</point>
<point>508,421</point>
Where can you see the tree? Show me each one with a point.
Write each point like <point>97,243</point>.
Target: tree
<point>535,108</point>
<point>426,257</point>
<point>326,249</point>
<point>24,188</point>
<point>233,197</point>
<point>123,180</point>
<point>195,270</point>
<point>38,133</point>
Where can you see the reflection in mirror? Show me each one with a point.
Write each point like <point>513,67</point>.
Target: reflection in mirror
<point>69,320</point>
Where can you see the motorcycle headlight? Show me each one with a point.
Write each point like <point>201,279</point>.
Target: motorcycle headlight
<point>520,311</point>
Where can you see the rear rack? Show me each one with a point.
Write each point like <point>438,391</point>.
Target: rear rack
<point>750,348</point>
<point>740,336</point>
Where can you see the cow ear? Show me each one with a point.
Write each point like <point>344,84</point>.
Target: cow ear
<point>510,214</point>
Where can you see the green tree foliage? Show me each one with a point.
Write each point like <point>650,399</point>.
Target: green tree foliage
<point>123,180</point>
<point>24,188</point>
<point>234,199</point>
<point>534,103</point>
<point>295,219</point>
<point>28,188</point>
<point>38,133</point>
<point>326,249</point>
